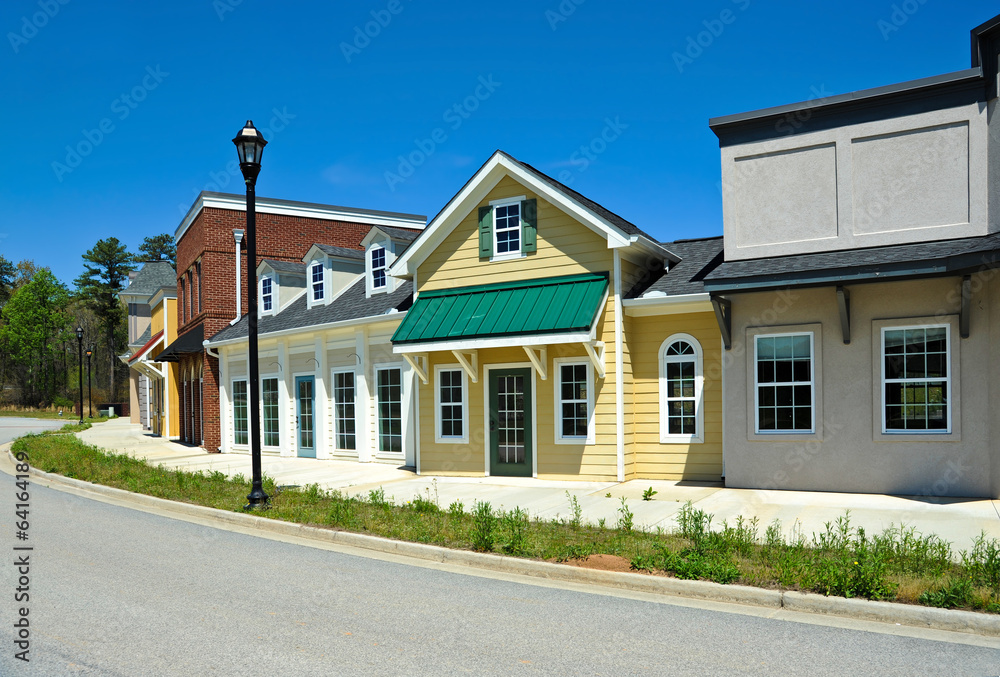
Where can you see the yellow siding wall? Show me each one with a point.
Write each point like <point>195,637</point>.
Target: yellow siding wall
<point>564,247</point>
<point>654,460</point>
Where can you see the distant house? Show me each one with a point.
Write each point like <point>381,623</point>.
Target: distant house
<point>859,298</point>
<point>150,299</point>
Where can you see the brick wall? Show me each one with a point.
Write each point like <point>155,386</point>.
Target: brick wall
<point>209,238</point>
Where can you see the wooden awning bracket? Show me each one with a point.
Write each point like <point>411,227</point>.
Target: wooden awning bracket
<point>595,350</point>
<point>724,316</point>
<point>539,359</point>
<point>419,362</point>
<point>964,319</point>
<point>844,306</point>
<point>469,359</point>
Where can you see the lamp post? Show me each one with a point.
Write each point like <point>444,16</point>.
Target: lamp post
<point>79,345</point>
<point>250,146</point>
<point>90,390</point>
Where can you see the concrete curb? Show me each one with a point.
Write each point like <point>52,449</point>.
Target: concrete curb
<point>859,609</point>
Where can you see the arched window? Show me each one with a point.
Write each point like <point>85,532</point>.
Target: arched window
<point>682,381</point>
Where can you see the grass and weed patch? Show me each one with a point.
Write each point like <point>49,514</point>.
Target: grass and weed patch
<point>898,564</point>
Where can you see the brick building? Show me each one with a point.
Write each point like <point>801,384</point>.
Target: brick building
<point>212,281</point>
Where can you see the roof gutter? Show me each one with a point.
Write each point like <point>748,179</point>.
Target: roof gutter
<point>667,305</point>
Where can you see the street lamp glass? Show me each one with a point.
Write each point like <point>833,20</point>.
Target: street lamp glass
<point>79,333</point>
<point>89,351</point>
<point>250,145</point>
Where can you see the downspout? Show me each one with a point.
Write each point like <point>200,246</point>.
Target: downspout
<point>238,236</point>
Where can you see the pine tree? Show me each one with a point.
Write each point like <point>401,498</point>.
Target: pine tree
<point>159,248</point>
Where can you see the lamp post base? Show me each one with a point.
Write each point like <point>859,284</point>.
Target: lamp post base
<point>257,498</point>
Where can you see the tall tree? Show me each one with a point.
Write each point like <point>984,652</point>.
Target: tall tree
<point>7,277</point>
<point>34,325</point>
<point>159,248</point>
<point>107,266</point>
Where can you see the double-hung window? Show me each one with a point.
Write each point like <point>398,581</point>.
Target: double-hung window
<point>507,229</point>
<point>266,296</point>
<point>784,384</point>
<point>269,401</point>
<point>316,280</point>
<point>574,402</point>
<point>343,404</point>
<point>240,433</point>
<point>389,392</point>
<point>451,404</point>
<point>681,384</point>
<point>378,268</point>
<point>916,381</point>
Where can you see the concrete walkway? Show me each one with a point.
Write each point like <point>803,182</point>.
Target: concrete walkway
<point>955,520</point>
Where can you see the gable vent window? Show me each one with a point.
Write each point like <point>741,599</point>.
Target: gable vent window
<point>266,297</point>
<point>378,268</point>
<point>316,276</point>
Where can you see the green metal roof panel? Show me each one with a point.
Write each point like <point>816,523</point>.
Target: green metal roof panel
<point>551,305</point>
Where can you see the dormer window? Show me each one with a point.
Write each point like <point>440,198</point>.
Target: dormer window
<point>507,229</point>
<point>316,278</point>
<point>266,295</point>
<point>378,267</point>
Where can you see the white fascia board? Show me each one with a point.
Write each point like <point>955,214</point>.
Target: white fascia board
<point>312,329</point>
<point>506,342</point>
<point>667,305</point>
<point>301,209</point>
<point>473,193</point>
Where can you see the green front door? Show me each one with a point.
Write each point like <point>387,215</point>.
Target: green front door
<point>510,422</point>
<point>305,427</point>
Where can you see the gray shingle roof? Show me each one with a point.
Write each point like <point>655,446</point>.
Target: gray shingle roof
<point>350,305</point>
<point>151,278</point>
<point>286,266</point>
<point>399,233</point>
<point>940,256</point>
<point>143,338</point>
<point>342,252</point>
<point>698,258</point>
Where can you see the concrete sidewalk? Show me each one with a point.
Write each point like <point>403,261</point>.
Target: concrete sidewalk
<point>956,520</point>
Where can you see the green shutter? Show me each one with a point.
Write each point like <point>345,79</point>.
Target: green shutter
<point>485,232</point>
<point>529,225</point>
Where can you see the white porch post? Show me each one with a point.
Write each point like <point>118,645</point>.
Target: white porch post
<point>286,404</point>
<point>225,434</point>
<point>363,398</point>
<point>322,426</point>
<point>619,370</point>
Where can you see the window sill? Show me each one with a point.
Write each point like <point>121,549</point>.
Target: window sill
<point>586,441</point>
<point>682,439</point>
<point>510,256</point>
<point>450,440</point>
<point>941,436</point>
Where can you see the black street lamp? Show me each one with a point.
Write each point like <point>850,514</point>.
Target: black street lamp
<point>90,390</point>
<point>250,147</point>
<point>79,345</point>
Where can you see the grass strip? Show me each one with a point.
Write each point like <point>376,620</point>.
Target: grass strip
<point>899,565</point>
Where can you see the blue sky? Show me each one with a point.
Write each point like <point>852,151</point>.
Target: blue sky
<point>148,95</point>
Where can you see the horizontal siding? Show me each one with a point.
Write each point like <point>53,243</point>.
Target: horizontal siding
<point>653,460</point>
<point>564,247</point>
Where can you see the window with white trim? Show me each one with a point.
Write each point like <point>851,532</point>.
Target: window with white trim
<point>783,383</point>
<point>507,229</point>
<point>389,398</point>
<point>681,384</point>
<point>451,405</point>
<point>574,401</point>
<point>240,431</point>
<point>343,405</point>
<point>378,268</point>
<point>266,296</point>
<point>269,402</point>
<point>316,280</point>
<point>916,380</point>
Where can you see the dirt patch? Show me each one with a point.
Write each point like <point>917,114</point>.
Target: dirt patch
<point>602,563</point>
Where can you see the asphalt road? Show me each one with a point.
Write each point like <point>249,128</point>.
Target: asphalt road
<point>116,591</point>
<point>12,427</point>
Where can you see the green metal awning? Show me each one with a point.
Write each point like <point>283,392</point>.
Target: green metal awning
<point>546,310</point>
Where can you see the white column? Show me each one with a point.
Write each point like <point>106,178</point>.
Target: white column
<point>225,432</point>
<point>363,399</point>
<point>321,407</point>
<point>286,403</point>
<point>619,370</point>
